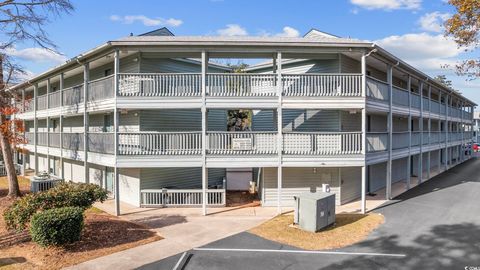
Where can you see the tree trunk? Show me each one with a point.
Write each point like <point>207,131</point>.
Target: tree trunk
<point>13,188</point>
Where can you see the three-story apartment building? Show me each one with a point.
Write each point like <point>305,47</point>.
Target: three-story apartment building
<point>146,117</point>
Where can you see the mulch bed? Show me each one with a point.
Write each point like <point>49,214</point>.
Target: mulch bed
<point>103,234</point>
<point>242,198</point>
<point>347,230</point>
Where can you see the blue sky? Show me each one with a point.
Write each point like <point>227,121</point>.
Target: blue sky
<point>409,28</point>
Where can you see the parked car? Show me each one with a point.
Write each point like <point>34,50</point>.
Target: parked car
<point>475,147</point>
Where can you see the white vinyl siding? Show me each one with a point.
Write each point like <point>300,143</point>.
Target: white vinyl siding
<point>74,170</point>
<point>129,186</point>
<point>298,180</point>
<point>351,184</point>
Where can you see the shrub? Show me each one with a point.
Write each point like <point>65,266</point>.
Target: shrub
<point>57,226</point>
<point>80,195</point>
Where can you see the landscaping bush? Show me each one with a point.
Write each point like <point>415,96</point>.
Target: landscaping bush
<point>70,194</point>
<point>57,226</point>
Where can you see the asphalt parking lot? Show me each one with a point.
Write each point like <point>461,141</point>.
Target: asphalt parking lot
<point>436,225</point>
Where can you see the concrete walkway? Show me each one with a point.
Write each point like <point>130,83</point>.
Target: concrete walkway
<point>182,228</point>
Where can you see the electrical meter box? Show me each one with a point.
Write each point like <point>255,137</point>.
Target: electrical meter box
<point>314,210</point>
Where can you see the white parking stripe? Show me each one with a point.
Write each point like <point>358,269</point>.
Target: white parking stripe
<point>179,261</point>
<point>302,252</point>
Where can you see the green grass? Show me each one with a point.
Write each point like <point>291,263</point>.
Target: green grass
<point>23,182</point>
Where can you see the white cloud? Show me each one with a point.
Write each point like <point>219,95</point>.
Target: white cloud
<point>129,19</point>
<point>37,55</point>
<point>388,4</point>
<point>424,51</point>
<point>433,22</point>
<point>232,30</point>
<point>289,32</point>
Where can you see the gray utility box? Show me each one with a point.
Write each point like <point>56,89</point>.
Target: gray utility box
<point>314,210</point>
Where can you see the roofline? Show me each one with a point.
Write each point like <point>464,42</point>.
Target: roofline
<point>415,70</point>
<point>316,29</point>
<point>236,43</point>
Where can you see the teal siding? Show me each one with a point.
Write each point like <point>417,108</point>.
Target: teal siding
<point>264,120</point>
<point>153,63</point>
<point>217,120</point>
<point>311,120</point>
<point>178,178</point>
<point>171,120</point>
<point>351,122</point>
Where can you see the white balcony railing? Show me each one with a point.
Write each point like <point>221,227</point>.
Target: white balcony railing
<point>55,99</point>
<point>42,102</point>
<point>400,140</point>
<point>241,143</point>
<point>160,143</point>
<point>377,89</point>
<point>102,143</point>
<point>377,141</point>
<point>181,197</point>
<point>54,139</point>
<point>101,89</point>
<point>42,138</point>
<point>400,96</point>
<point>416,138</point>
<point>241,84</point>
<point>163,85</point>
<point>73,95</point>
<point>322,143</point>
<point>30,137</point>
<point>434,107</point>
<point>322,84</point>
<point>73,141</point>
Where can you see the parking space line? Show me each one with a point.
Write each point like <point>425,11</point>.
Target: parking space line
<point>179,261</point>
<point>302,252</point>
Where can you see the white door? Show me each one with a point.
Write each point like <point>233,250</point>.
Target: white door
<point>239,178</point>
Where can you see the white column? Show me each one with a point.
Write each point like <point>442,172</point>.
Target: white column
<point>116,70</point>
<point>364,167</point>
<point>86,78</point>
<point>48,125</point>
<point>420,125</point>
<point>447,131</point>
<point>429,128</point>
<point>364,75</point>
<point>388,189</point>
<point>462,152</point>
<point>35,125</point>
<point>279,133</point>
<point>62,167</point>
<point>204,132</point>
<point>409,119</point>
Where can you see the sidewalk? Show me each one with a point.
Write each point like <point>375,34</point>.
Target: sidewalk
<point>182,228</point>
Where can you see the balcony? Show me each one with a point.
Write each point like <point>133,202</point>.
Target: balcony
<point>160,143</point>
<point>377,141</point>
<point>322,85</point>
<point>322,143</point>
<point>238,85</point>
<point>101,89</point>
<point>400,140</point>
<point>242,143</point>
<point>377,89</point>
<point>400,96</point>
<point>159,85</point>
